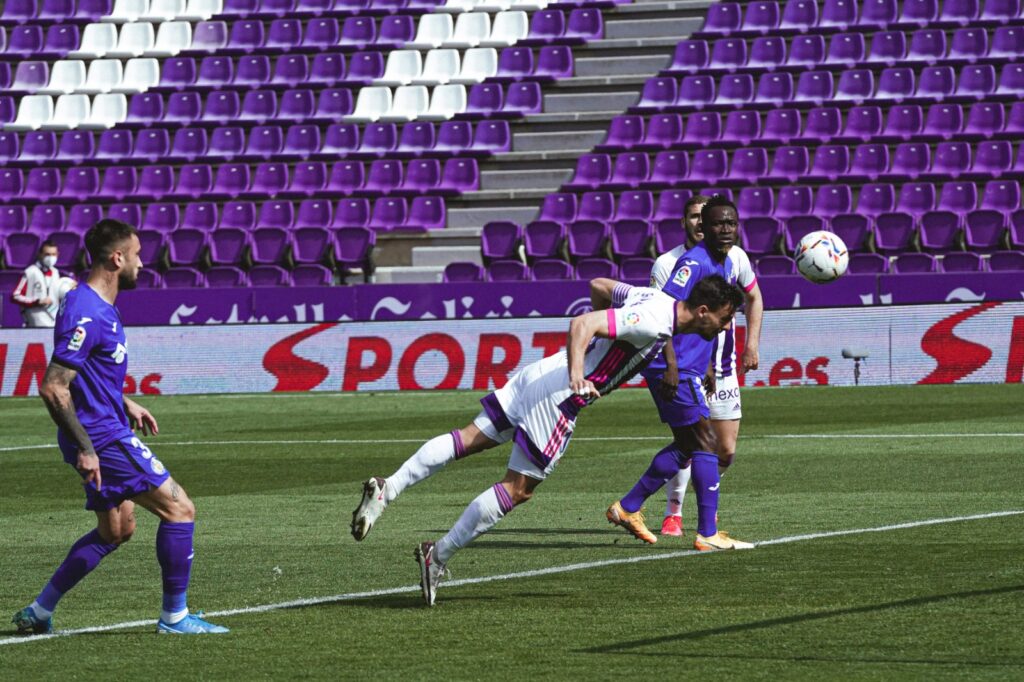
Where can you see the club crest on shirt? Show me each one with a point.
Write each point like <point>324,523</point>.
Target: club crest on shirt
<point>682,275</point>
<point>632,318</point>
<point>77,339</point>
<point>157,466</point>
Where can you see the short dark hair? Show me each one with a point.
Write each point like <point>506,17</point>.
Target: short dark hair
<point>47,243</point>
<point>102,237</point>
<point>693,201</point>
<point>714,292</point>
<point>717,201</point>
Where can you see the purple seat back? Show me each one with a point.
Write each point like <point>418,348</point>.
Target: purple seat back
<point>499,239</point>
<point>586,238</point>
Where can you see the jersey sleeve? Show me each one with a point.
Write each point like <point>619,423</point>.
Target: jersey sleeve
<point>643,320</point>
<point>660,272</point>
<point>685,275</point>
<point>745,276</point>
<point>74,337</point>
<point>620,292</point>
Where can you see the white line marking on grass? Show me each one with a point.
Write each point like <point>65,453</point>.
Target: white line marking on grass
<point>566,568</point>
<point>385,441</point>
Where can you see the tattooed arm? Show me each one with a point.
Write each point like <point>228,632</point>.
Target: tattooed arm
<point>56,394</point>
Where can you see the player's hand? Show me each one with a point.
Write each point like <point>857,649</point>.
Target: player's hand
<point>709,384</point>
<point>669,384</point>
<point>141,418</point>
<point>585,389</point>
<point>88,465</point>
<point>751,358</point>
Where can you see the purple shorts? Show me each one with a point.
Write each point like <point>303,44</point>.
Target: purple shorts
<point>688,405</point>
<point>127,468</point>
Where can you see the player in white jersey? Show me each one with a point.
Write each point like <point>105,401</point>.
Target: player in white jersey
<point>38,291</point>
<point>538,406</point>
<point>721,384</point>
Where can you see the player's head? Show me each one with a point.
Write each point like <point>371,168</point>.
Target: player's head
<point>115,246</point>
<point>48,253</point>
<point>720,223</point>
<point>691,218</point>
<point>713,303</point>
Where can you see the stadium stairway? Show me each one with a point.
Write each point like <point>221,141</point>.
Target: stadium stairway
<point>610,73</point>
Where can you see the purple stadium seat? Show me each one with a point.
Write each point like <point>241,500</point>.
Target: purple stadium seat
<point>741,127</point>
<point>38,146</point>
<point>789,163</point>
<point>916,198</point>
<point>694,91</point>
<point>152,245</point>
<point>630,238</point>
<point>310,244</point>
<point>379,139</point>
<point>586,238</point>
<point>670,204</point>
<point>499,240</point>
<point>311,275</point>
<point>960,261</point>
<point>958,197</point>
<point>209,36</point>
<point>543,239</point>
<point>794,200</point>
<point>951,159</point>
<point>906,263</point>
<point>590,268</point>
<point>727,54</point>
<point>760,235</point>
<point>919,12</point>
<point>625,132</point>
<point>977,81</point>
<point>774,88</point>
<point>781,126</point>
<point>1001,195</point>
<point>346,177</point>
<point>762,16</point>
<point>670,168</point>
<point>21,249</point>
<point>215,72</point>
<point>903,122</point>
<point>69,246</point>
<point>636,269</point>
<point>460,175</point>
<point>13,219</point>
<point>756,202</point>
<point>80,184</point>
<point>709,166</point>
<point>42,184</point>
<point>663,131</point>
<point>927,45</point>
<point>936,82</point>
<point>126,213</point>
<point>223,276</point>
<point>340,139</point>
<point>421,176</point>
<point>357,32</point>
<point>417,137</point>
<point>301,142</point>
<point>584,24</point>
<point>558,207</point>
<point>515,63</point>
<point>186,247</point>
<point>799,15</point>
<point>838,14</point>
<point>853,229</point>
<point>830,162</point>
<point>896,83</point>
<point>427,213</point>
<point>846,49</point>
<point>507,271</point>
<point>454,137</point>
<point>81,217</point>
<point>723,18</point>
<point>9,147</point>
<point>690,56</point>
<point>352,213</point>
<point>887,47</point>
<point>555,62</point>
<point>194,181</point>
<point>894,232</point>
<point>199,215</point>
<point>749,164</point>
<point>959,12</point>
<point>228,245</point>
<point>333,104</point>
<point>269,276</point>
<point>775,265</point>
<point>544,269</point>
<point>875,199</point>
<point>984,120</point>
<point>735,89</point>
<point>485,99</point>
<point>943,121</point>
<point>269,179</point>
<point>238,215</point>
<point>868,264</point>
<point>668,234</point>
<point>870,161</point>
<point>1011,81</point>
<point>493,137</point>
<point>314,213</point>
<point>253,71</point>
<point>969,45</point>
<point>546,26</point>
<point>12,182</point>
<point>939,230</point>
<point>1007,42</point>
<point>595,206</point>
<point>806,51</point>
<point>246,36</point>
<point>992,159</point>
<point>276,214</point>
<point>794,229</point>
<point>523,99</point>
<point>1002,261</point>
<point>226,143</point>
<point>814,87</point>
<point>46,218</point>
<point>592,171</point>
<point>629,170</point>
<point>769,52</point>
<point>151,145</point>
<point>635,205</point>
<point>188,145</point>
<point>461,271</point>
<point>269,245</point>
<point>327,69</point>
<point>297,105</point>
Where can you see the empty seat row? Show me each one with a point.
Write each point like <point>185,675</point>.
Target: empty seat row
<point>548,269</point>
<point>945,121</point>
<point>829,163</point>
<point>343,178</point>
<point>768,16</point>
<point>47,219</point>
<point>297,142</point>
<point>71,75</point>
<point>226,276</point>
<point>931,84</point>
<point>115,11</point>
<point>886,48</point>
<point>99,40</point>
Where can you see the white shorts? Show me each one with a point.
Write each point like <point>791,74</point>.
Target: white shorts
<point>724,403</point>
<point>530,410</point>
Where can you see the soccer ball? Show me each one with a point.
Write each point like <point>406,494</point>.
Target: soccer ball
<point>821,257</point>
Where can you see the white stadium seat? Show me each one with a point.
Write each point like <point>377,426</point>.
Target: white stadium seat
<point>508,29</point>
<point>97,40</point>
<point>69,112</point>
<point>34,111</point>
<point>126,11</point>
<point>105,75</point>
<point>107,111</point>
<point>470,29</point>
<point>140,75</point>
<point>371,104</point>
<point>134,40</point>
<point>458,6</point>
<point>494,6</point>
<point>530,5</point>
<point>66,76</point>
<point>410,102</point>
<point>431,32</point>
<point>478,64</point>
<point>201,10</point>
<point>402,67</point>
<point>445,102</point>
<point>172,38</point>
<point>439,67</point>
<point>164,10</point>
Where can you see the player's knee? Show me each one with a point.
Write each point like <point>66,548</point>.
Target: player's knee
<point>521,496</point>
<point>725,459</point>
<point>186,510</point>
<point>117,536</point>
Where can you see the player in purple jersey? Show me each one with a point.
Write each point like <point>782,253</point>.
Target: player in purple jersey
<point>538,406</point>
<point>679,394</point>
<point>82,389</point>
<point>721,383</point>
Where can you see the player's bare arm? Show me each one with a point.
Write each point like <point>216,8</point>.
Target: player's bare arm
<point>670,379</point>
<point>601,293</point>
<point>754,313</point>
<point>582,329</point>
<point>140,417</point>
<point>56,394</point>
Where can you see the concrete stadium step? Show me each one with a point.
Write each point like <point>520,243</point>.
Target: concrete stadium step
<point>618,66</point>
<point>473,215</point>
<point>408,275</point>
<point>672,25</point>
<point>618,100</point>
<point>544,176</point>
<point>440,256</point>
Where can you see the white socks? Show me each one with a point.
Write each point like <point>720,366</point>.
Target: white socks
<point>41,613</point>
<point>480,516</point>
<point>428,460</point>
<point>172,618</point>
<point>676,490</point>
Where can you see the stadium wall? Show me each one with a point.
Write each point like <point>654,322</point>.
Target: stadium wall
<point>926,344</point>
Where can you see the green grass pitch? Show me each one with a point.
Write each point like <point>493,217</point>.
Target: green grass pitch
<point>943,601</point>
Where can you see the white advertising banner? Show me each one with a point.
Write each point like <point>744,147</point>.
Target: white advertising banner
<point>945,343</point>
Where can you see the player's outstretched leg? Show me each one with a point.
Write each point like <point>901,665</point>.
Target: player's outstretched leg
<point>432,456</point>
<point>482,514</point>
<point>675,491</point>
<point>627,511</point>
<point>706,481</point>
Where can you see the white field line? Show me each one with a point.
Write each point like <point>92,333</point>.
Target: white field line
<point>384,441</point>
<point>566,568</point>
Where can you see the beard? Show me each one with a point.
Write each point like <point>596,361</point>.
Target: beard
<point>127,281</point>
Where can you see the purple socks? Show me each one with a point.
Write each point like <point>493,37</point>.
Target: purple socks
<point>704,473</point>
<point>664,466</point>
<point>174,552</point>
<point>84,556</point>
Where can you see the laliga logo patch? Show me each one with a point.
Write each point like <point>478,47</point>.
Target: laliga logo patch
<point>157,466</point>
<point>632,318</point>
<point>77,339</point>
<point>682,275</point>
